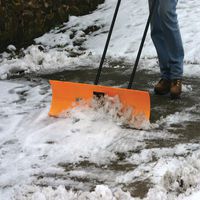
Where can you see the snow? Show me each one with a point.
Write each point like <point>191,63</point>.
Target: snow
<point>35,149</point>
<point>57,45</point>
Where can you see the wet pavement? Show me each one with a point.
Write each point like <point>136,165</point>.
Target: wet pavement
<point>178,118</point>
<point>186,129</point>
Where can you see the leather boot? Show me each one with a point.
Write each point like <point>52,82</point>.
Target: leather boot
<point>176,88</point>
<point>162,87</point>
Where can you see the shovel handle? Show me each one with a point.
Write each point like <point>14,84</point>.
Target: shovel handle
<point>141,45</point>
<point>107,43</point>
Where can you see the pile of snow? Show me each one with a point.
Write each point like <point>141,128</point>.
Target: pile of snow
<point>114,109</point>
<point>175,178</point>
<point>80,42</point>
<point>101,192</point>
<point>180,180</point>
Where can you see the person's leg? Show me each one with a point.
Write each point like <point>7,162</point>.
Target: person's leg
<point>157,36</point>
<point>172,37</point>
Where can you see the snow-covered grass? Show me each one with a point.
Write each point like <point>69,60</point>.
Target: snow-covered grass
<point>60,49</point>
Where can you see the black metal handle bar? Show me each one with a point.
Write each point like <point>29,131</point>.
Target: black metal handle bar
<point>107,43</point>
<point>140,48</point>
<point>141,45</point>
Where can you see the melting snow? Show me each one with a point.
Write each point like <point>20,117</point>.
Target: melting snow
<point>40,156</point>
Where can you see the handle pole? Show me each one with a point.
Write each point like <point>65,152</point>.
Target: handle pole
<point>107,43</point>
<point>141,45</point>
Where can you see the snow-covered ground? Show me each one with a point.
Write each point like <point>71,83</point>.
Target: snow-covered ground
<point>89,155</point>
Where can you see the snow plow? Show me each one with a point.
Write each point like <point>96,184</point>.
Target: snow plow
<point>66,95</point>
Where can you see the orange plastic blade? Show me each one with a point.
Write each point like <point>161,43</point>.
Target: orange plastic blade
<point>65,94</point>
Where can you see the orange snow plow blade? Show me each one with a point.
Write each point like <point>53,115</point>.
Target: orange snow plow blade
<point>66,94</point>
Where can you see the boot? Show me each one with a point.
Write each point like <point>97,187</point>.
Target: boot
<point>162,87</point>
<point>176,88</point>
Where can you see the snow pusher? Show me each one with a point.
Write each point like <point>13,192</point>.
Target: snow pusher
<point>66,95</point>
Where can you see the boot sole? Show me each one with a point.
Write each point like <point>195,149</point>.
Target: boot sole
<point>161,93</point>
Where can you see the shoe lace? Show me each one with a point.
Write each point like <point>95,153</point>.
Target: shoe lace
<point>162,81</point>
<point>177,82</point>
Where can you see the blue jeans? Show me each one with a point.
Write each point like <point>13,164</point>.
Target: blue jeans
<point>166,37</point>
